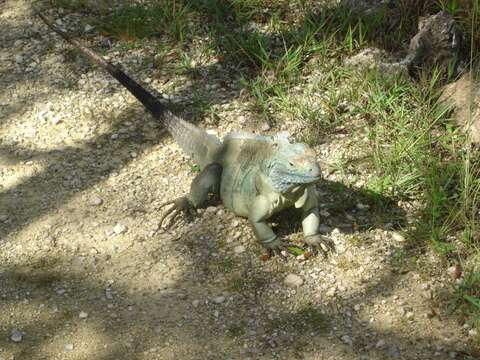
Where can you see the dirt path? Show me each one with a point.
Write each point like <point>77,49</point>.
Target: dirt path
<point>86,273</point>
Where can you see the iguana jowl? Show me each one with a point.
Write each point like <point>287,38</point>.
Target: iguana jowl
<point>254,176</point>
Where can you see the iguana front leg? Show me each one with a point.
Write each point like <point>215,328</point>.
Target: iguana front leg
<point>260,211</point>
<point>311,223</point>
<point>204,184</point>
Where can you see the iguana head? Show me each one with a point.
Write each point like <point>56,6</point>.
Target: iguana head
<point>291,164</point>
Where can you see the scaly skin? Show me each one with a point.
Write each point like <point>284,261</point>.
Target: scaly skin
<point>255,176</point>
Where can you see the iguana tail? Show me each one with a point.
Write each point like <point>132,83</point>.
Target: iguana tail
<point>201,146</point>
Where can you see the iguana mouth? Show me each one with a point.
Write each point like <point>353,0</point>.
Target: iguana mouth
<point>303,179</point>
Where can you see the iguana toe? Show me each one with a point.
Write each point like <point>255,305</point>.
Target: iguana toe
<point>320,242</point>
<point>180,205</point>
<point>276,247</point>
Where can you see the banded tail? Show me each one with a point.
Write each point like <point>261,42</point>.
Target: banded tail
<point>202,147</point>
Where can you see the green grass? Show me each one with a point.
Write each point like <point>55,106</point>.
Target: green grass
<point>466,298</point>
<point>141,21</point>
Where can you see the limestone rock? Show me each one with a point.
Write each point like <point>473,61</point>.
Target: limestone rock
<point>463,96</point>
<point>439,42</point>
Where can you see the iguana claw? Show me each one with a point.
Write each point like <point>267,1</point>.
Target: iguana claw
<point>180,205</point>
<point>320,242</point>
<point>276,247</point>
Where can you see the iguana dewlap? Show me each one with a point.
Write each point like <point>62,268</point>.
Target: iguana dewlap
<point>254,176</point>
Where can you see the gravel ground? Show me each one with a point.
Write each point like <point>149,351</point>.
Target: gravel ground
<point>86,272</point>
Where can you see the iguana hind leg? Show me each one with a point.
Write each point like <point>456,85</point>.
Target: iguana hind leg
<point>204,184</point>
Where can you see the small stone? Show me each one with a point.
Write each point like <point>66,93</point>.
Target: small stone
<point>393,352</point>
<point>292,280</point>
<point>55,120</point>
<point>347,340</point>
<point>380,344</point>
<point>398,237</point>
<point>265,126</point>
<point>16,335</point>
<point>18,59</point>
<point>195,303</point>
<point>218,299</point>
<point>324,229</point>
<point>300,258</point>
<point>114,136</point>
<point>455,271</point>
<point>3,217</point>
<point>239,249</point>
<point>241,119</point>
<point>331,292</point>
<point>108,294</point>
<point>119,229</point>
<point>409,315</point>
<point>357,307</point>
<point>324,213</point>
<point>96,200</point>
<point>472,332</point>
<point>216,313</point>
<point>69,347</point>
<point>88,28</point>
<point>362,207</point>
<point>60,291</point>
<point>83,315</point>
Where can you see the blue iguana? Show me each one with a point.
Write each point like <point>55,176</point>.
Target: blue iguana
<point>254,176</point>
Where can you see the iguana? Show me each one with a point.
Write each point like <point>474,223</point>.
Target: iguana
<point>254,176</point>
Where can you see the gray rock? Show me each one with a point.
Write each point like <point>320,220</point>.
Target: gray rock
<point>88,28</point>
<point>19,59</point>
<point>16,335</point>
<point>439,43</point>
<point>69,347</point>
<point>96,200</point>
<point>292,280</point>
<point>393,352</point>
<point>347,340</point>
<point>218,299</point>
<point>60,291</point>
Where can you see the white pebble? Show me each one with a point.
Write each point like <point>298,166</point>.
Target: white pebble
<point>239,249</point>
<point>83,315</point>
<point>119,229</point>
<point>292,280</point>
